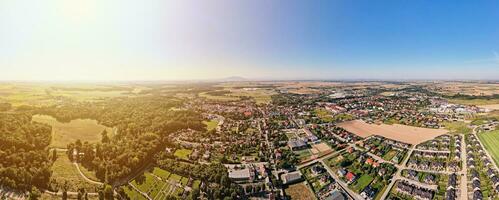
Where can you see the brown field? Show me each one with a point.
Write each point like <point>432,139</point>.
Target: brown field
<point>403,133</point>
<point>321,147</point>
<point>469,88</point>
<point>299,191</point>
<point>491,107</point>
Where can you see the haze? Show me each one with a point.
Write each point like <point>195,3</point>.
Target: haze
<point>179,40</point>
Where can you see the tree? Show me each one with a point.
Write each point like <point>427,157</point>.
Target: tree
<point>54,155</point>
<point>34,194</point>
<point>105,138</point>
<point>108,192</point>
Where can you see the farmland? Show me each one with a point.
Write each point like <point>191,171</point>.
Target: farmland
<point>407,134</point>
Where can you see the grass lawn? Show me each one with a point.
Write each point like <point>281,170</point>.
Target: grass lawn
<point>64,170</point>
<point>150,185</point>
<point>362,182</point>
<point>65,133</point>
<point>196,184</point>
<point>88,174</point>
<point>175,177</point>
<point>388,156</point>
<point>491,142</point>
<point>457,127</point>
<point>324,114</point>
<point>132,193</point>
<point>183,153</point>
<point>210,125</point>
<point>299,191</point>
<point>163,174</point>
<point>303,154</point>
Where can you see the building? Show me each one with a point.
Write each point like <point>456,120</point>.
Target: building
<point>297,145</point>
<point>244,174</point>
<point>291,177</point>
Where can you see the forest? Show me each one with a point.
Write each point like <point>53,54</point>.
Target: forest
<point>143,123</point>
<point>24,152</point>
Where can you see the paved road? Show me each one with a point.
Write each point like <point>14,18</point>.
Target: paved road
<point>397,174</point>
<point>464,178</point>
<point>343,185</point>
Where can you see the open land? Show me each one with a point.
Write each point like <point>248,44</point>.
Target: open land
<point>403,133</point>
<point>65,133</point>
<point>299,191</point>
<point>491,142</point>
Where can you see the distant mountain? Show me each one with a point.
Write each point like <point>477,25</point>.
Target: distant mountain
<point>233,79</point>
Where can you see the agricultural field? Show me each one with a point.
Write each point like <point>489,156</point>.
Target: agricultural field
<point>398,132</point>
<point>183,153</point>
<point>46,94</point>
<point>63,170</point>
<point>65,133</point>
<point>491,142</point>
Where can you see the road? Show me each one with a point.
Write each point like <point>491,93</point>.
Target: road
<point>464,178</point>
<point>397,174</point>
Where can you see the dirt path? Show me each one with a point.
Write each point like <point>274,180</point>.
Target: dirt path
<point>85,177</point>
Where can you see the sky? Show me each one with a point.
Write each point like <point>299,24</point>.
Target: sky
<point>111,40</point>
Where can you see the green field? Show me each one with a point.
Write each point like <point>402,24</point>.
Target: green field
<point>65,133</point>
<point>303,154</point>
<point>183,153</point>
<point>160,183</point>
<point>491,142</point>
<point>210,125</point>
<point>457,127</point>
<point>388,156</point>
<point>63,170</point>
<point>132,194</point>
<point>88,174</point>
<point>362,182</point>
<point>149,184</point>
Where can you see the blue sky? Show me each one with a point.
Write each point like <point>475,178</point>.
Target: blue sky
<point>260,39</point>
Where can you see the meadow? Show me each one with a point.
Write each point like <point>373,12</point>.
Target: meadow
<point>183,153</point>
<point>63,170</point>
<point>65,133</point>
<point>491,142</point>
<point>210,125</point>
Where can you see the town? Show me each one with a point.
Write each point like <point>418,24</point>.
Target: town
<point>270,140</point>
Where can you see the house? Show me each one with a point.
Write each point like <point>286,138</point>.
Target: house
<point>336,195</point>
<point>341,172</point>
<point>291,177</point>
<point>316,170</point>
<point>451,194</point>
<point>368,193</point>
<point>350,177</point>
